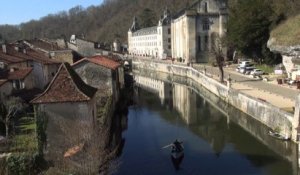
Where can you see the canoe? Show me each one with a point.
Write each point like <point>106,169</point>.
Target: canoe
<point>278,136</point>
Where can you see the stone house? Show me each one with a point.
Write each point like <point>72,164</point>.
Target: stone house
<point>196,30</point>
<point>20,56</point>
<point>68,105</point>
<point>82,46</point>
<point>152,41</point>
<point>51,49</point>
<point>101,72</point>
<point>21,78</point>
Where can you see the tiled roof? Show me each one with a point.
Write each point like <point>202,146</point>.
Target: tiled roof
<point>66,86</point>
<point>46,45</point>
<point>2,82</point>
<point>19,74</point>
<point>14,56</point>
<point>102,61</point>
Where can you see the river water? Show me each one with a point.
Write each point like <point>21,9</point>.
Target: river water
<point>216,139</point>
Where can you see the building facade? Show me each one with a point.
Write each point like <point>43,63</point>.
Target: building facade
<point>153,41</point>
<point>197,29</point>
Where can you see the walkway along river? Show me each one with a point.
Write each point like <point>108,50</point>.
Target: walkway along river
<point>217,138</point>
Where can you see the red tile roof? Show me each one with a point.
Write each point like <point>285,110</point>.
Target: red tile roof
<point>14,56</point>
<point>66,86</point>
<point>2,82</point>
<point>102,61</point>
<point>19,74</point>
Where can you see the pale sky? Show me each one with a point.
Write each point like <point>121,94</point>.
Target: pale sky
<point>18,11</point>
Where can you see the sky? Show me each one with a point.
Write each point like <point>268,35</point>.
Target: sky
<point>18,11</point>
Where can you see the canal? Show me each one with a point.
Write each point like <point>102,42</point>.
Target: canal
<point>217,139</point>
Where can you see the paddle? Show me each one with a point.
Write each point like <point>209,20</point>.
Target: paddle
<point>167,146</point>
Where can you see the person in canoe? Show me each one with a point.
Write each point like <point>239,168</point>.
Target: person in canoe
<point>177,154</point>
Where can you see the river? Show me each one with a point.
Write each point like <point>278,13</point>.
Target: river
<point>217,139</point>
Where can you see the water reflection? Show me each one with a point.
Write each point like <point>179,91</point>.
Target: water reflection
<point>218,138</point>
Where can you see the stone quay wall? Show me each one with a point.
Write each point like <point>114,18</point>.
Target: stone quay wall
<point>266,113</point>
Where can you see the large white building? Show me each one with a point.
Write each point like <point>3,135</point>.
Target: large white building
<point>153,41</point>
<point>196,29</point>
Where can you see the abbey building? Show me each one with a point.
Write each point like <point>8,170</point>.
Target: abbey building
<point>190,36</point>
<point>154,42</point>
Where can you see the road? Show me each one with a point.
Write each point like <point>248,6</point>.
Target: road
<point>251,82</point>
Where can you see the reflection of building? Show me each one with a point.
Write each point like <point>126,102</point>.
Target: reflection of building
<point>184,101</point>
<point>164,90</point>
<point>152,41</point>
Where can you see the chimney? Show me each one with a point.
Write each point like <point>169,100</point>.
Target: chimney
<point>4,48</point>
<point>17,48</point>
<point>12,69</point>
<point>24,51</point>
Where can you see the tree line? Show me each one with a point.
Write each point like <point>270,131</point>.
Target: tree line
<point>105,22</point>
<point>249,24</point>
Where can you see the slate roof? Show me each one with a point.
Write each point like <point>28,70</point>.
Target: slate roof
<point>102,61</point>
<point>145,31</point>
<point>66,86</point>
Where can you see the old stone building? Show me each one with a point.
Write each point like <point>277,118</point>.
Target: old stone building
<point>197,29</point>
<point>152,41</point>
<point>22,56</point>
<point>67,112</point>
<point>102,73</point>
<point>84,47</point>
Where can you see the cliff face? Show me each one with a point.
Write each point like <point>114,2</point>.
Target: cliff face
<point>285,38</point>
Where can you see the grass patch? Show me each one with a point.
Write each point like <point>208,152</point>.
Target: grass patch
<point>266,68</point>
<point>25,140</point>
<point>287,33</point>
<point>24,143</point>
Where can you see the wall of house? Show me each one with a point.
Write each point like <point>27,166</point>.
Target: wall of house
<point>68,125</point>
<point>94,75</point>
<point>121,77</point>
<point>18,65</point>
<point>29,82</point>
<point>38,74</point>
<point>5,90</point>
<point>49,72</point>
<point>62,56</point>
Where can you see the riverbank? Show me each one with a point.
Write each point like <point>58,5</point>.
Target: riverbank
<point>264,112</point>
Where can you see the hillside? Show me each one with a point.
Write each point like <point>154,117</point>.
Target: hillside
<point>102,23</point>
<point>287,33</point>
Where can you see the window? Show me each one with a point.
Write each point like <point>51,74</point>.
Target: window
<point>206,42</point>
<point>169,31</point>
<point>205,7</point>
<point>169,40</point>
<point>169,46</point>
<point>205,24</point>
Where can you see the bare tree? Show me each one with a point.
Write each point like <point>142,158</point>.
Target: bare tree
<point>8,110</point>
<point>219,55</point>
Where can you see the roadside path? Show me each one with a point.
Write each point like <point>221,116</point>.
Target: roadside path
<point>279,95</point>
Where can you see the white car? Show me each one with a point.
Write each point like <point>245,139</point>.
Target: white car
<point>257,72</point>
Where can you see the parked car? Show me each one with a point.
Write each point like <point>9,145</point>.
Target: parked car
<point>246,70</point>
<point>245,63</point>
<point>257,72</point>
